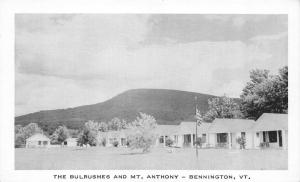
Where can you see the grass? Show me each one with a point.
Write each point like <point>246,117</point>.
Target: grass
<point>97,158</point>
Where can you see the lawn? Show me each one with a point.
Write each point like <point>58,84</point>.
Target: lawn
<point>159,158</point>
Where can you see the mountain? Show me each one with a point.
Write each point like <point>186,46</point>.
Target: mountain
<point>167,106</point>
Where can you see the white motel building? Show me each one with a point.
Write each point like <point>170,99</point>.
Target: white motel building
<point>270,131</point>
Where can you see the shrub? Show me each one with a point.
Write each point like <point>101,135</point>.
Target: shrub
<point>169,142</point>
<point>264,145</point>
<point>115,143</point>
<point>19,142</point>
<point>242,142</point>
<point>103,142</point>
<point>199,141</point>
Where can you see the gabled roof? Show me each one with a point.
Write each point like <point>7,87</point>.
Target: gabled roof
<point>271,121</point>
<point>72,139</point>
<point>203,127</point>
<point>231,125</point>
<point>115,134</point>
<point>187,127</point>
<point>38,137</point>
<point>167,129</point>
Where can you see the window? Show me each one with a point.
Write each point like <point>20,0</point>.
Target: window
<point>257,134</point>
<point>40,142</point>
<point>45,142</point>
<point>222,137</point>
<point>187,139</point>
<point>243,134</point>
<point>272,136</point>
<point>203,138</point>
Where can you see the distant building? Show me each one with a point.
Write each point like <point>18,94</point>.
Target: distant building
<point>109,138</point>
<point>38,141</point>
<point>70,142</point>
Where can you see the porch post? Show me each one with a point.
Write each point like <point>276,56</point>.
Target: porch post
<point>229,140</point>
<point>283,139</point>
<point>164,141</point>
<point>120,142</point>
<point>278,137</point>
<point>267,136</point>
<point>207,139</point>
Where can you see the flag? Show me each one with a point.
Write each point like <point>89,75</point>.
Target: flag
<point>198,116</point>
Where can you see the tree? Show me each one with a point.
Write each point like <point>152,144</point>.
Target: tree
<point>265,93</point>
<point>89,134</point>
<point>223,107</point>
<point>143,132</point>
<point>87,137</point>
<point>117,124</point>
<point>60,135</point>
<point>92,125</point>
<point>103,127</point>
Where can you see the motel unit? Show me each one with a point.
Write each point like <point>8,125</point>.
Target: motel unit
<point>271,129</point>
<point>37,141</point>
<point>223,133</point>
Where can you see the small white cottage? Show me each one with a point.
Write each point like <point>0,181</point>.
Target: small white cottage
<point>38,141</point>
<point>70,142</point>
<point>223,133</point>
<point>271,131</point>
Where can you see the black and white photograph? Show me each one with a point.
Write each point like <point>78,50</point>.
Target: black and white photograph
<point>151,91</point>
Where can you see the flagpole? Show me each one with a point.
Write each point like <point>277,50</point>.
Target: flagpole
<point>196,137</point>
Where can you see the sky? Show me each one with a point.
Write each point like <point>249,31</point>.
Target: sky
<point>69,60</point>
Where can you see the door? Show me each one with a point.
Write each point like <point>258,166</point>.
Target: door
<point>123,141</point>
<point>280,138</point>
<point>187,140</point>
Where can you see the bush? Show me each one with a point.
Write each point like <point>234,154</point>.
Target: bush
<point>19,142</point>
<point>199,142</point>
<point>264,145</point>
<point>103,142</point>
<point>242,142</point>
<point>169,142</point>
<point>115,143</point>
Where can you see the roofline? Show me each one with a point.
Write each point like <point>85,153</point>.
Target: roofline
<point>232,119</point>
